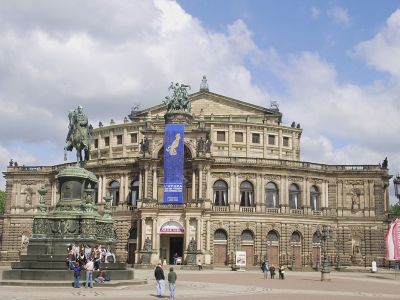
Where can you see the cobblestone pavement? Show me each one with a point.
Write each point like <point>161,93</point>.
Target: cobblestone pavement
<point>224,284</point>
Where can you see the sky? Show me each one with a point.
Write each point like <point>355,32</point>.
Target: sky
<point>333,67</point>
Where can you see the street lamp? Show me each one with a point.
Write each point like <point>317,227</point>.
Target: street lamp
<point>325,235</point>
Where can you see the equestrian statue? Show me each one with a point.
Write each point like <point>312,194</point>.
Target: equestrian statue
<point>79,135</point>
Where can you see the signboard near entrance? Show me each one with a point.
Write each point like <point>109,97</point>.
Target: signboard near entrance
<point>172,227</point>
<point>241,258</point>
<point>173,163</point>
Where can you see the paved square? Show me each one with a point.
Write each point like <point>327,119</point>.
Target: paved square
<point>220,284</point>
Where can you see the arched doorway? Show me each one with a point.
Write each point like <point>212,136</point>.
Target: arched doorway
<point>247,239</point>
<point>132,244</point>
<point>273,248</point>
<point>316,251</point>
<point>220,247</point>
<point>295,243</point>
<point>171,241</point>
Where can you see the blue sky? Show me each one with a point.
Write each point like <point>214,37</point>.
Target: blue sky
<point>332,66</point>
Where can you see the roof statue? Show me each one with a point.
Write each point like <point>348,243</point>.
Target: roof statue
<point>79,134</point>
<point>204,84</point>
<point>179,99</point>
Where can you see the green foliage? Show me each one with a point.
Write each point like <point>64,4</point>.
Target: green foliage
<point>395,209</point>
<point>2,201</point>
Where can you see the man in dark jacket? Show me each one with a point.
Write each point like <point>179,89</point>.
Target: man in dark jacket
<point>159,275</point>
<point>171,280</point>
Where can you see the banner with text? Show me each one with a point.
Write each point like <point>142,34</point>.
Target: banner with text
<point>173,163</point>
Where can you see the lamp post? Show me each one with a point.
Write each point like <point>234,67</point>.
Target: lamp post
<point>325,235</point>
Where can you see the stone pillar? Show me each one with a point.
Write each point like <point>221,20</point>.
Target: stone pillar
<point>121,189</point>
<point>127,188</point>
<point>236,192</point>
<point>209,187</point>
<point>146,171</point>
<point>53,193</point>
<point>104,186</point>
<point>200,181</point>
<point>193,184</point>
<point>198,233</point>
<point>154,182</point>
<point>140,185</point>
<point>208,240</point>
<point>154,234</point>
<point>187,232</point>
<point>326,193</point>
<point>100,189</point>
<point>280,143</point>
<point>304,193</point>
<point>143,233</point>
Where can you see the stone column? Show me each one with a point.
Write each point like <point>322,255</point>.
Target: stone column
<point>146,171</point>
<point>122,187</point>
<point>198,233</point>
<point>53,193</point>
<point>143,233</point>
<point>127,188</point>
<point>154,234</point>
<point>104,186</point>
<point>236,192</point>
<point>304,193</point>
<point>187,232</point>
<point>208,241</point>
<point>154,182</point>
<point>140,184</point>
<point>100,189</point>
<point>326,194</point>
<point>193,184</point>
<point>200,181</point>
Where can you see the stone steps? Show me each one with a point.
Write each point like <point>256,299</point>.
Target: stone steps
<point>69,283</point>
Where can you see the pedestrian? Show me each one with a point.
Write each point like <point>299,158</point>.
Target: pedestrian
<point>159,275</point>
<point>100,278</point>
<point>200,265</point>
<point>77,273</point>
<point>281,272</point>
<point>89,273</point>
<point>272,271</point>
<point>175,257</point>
<point>171,280</point>
<point>266,270</point>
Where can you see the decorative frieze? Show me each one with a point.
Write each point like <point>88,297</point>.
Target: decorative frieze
<point>272,177</point>
<point>220,175</point>
<point>295,179</point>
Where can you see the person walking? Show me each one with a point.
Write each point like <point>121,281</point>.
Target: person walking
<point>266,270</point>
<point>175,257</point>
<point>272,271</point>
<point>199,265</point>
<point>77,273</point>
<point>159,275</point>
<point>89,273</point>
<point>171,280</point>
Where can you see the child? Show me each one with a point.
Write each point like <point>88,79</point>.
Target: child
<point>77,273</point>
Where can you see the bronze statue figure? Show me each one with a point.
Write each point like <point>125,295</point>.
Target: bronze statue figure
<point>79,134</point>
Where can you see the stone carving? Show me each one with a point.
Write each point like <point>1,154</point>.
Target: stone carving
<point>192,247</point>
<point>208,144</point>
<point>179,98</point>
<point>272,177</point>
<point>200,145</point>
<point>355,199</point>
<point>79,134</point>
<point>145,146</point>
<point>295,179</point>
<point>147,244</point>
<point>220,175</point>
<point>385,163</point>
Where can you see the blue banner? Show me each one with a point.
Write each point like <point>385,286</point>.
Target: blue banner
<point>173,163</point>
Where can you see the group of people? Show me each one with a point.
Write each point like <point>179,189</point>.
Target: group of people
<point>265,268</point>
<point>83,257</point>
<point>160,278</point>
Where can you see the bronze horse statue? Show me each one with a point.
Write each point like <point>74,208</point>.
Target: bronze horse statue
<point>78,135</point>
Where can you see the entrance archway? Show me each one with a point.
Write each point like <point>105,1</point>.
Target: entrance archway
<point>171,241</point>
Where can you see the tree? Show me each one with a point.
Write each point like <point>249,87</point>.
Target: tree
<point>2,201</point>
<point>395,209</point>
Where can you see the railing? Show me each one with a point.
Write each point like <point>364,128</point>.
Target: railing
<point>317,213</point>
<point>269,210</point>
<point>296,211</point>
<point>220,208</point>
<point>297,164</point>
<point>247,209</point>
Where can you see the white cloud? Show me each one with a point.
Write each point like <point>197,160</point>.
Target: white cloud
<point>315,12</point>
<point>382,51</point>
<point>339,15</point>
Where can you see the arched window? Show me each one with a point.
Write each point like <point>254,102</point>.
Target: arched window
<point>314,198</point>
<point>296,237</point>
<point>246,194</point>
<point>294,196</point>
<point>113,188</point>
<point>247,235</point>
<point>271,195</point>
<point>316,237</point>
<point>133,233</point>
<point>272,236</point>
<point>220,235</point>
<point>134,192</point>
<point>220,193</point>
